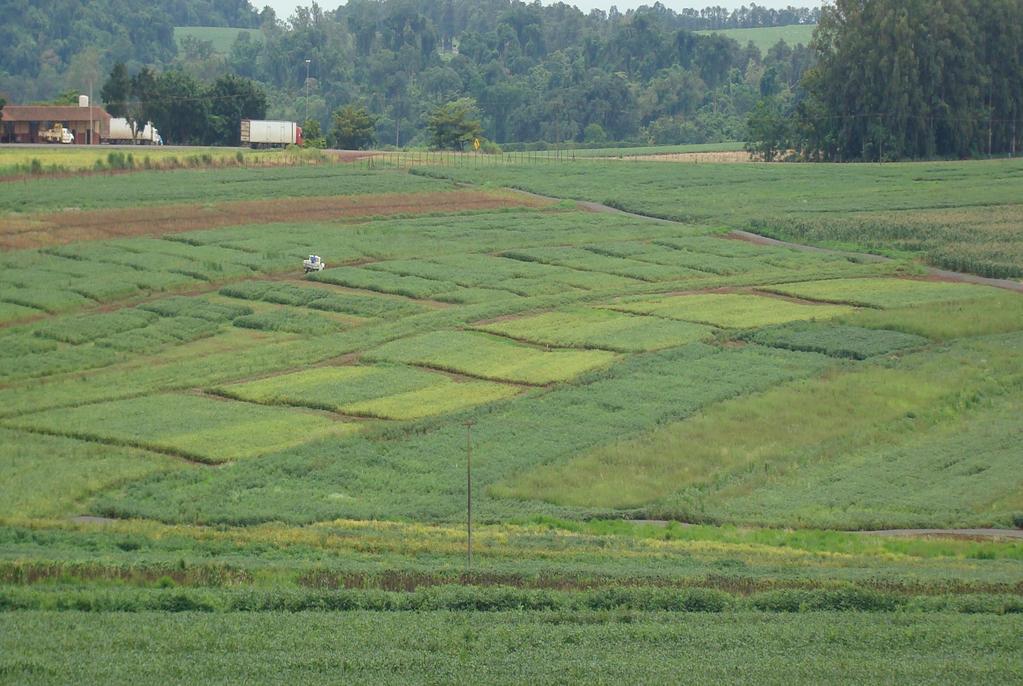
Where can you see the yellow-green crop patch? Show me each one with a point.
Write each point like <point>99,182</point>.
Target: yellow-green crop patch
<point>731,310</point>
<point>491,357</point>
<point>51,476</point>
<point>384,391</point>
<point>198,428</point>
<point>447,396</point>
<point>599,328</point>
<point>883,293</point>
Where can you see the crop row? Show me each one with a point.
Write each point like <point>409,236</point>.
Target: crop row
<point>497,599</point>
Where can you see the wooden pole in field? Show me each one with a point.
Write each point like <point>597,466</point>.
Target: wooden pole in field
<point>468,494</point>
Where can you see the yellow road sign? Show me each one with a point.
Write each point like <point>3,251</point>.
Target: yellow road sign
<point>475,143</point>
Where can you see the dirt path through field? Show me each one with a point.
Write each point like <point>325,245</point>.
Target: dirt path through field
<point>757,239</point>
<point>57,228</point>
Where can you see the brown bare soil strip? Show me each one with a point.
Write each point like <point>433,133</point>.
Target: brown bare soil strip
<point>56,228</point>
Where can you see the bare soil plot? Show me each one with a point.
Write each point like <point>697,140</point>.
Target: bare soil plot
<point>56,228</point>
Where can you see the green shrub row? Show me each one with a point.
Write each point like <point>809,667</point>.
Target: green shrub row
<point>493,599</point>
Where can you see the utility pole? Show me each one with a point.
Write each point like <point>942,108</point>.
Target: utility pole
<point>89,137</point>
<point>305,117</point>
<point>468,494</point>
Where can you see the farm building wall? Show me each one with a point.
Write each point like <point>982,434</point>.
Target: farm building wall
<point>22,123</point>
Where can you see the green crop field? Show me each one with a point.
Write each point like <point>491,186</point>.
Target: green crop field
<point>221,37</point>
<point>46,160</point>
<point>593,328</point>
<point>730,310</point>
<point>882,293</point>
<point>491,358</point>
<point>683,443</point>
<point>902,209</point>
<point>767,37</point>
<point>384,392</point>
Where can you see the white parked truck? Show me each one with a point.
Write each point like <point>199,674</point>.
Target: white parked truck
<point>120,132</point>
<point>258,133</point>
<point>57,134</point>
<point>313,264</point>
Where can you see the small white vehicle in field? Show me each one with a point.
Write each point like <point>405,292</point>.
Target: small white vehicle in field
<point>313,264</point>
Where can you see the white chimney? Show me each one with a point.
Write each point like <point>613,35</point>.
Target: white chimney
<point>83,100</point>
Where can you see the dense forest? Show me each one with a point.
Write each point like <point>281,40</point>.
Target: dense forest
<point>535,73</point>
<point>898,79</point>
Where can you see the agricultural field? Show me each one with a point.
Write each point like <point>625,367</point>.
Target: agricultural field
<point>42,160</point>
<point>679,438</point>
<point>766,37</point>
<point>902,210</point>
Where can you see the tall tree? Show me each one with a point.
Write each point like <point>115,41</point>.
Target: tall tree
<point>354,128</point>
<point>232,98</point>
<point>454,124</point>
<point>914,78</point>
<point>117,90</point>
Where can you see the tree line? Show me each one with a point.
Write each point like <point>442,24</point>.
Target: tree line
<point>900,79</point>
<point>184,110</point>
<point>544,75</point>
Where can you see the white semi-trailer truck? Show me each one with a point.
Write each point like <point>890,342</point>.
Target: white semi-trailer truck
<point>258,133</point>
<point>120,132</point>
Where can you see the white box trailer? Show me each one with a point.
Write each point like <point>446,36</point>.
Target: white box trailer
<point>258,133</point>
<point>120,132</point>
